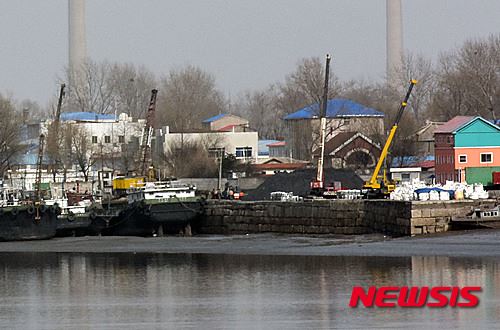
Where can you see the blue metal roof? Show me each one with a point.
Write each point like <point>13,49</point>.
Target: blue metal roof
<point>86,116</point>
<point>336,108</point>
<point>214,118</point>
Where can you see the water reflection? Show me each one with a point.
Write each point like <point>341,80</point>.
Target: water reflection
<point>49,290</point>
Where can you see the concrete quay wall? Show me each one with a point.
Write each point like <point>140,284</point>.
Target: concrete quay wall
<point>395,218</point>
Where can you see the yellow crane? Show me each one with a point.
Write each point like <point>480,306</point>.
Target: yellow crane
<point>379,185</point>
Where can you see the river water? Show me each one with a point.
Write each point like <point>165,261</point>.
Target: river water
<point>158,291</point>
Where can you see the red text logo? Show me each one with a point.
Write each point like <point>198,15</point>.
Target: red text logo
<point>392,296</point>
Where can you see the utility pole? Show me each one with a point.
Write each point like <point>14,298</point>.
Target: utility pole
<point>101,185</point>
<point>219,181</point>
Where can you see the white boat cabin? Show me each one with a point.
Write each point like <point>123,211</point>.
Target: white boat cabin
<point>160,191</point>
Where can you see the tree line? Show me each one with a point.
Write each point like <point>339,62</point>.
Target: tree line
<point>463,81</point>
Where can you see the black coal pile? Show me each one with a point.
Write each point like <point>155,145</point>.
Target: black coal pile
<point>298,182</point>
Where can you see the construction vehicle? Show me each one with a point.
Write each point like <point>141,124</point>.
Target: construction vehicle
<point>53,138</point>
<point>57,118</point>
<point>380,186</point>
<point>317,185</point>
<point>145,165</point>
<point>147,135</point>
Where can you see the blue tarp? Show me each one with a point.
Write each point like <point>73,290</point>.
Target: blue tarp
<point>86,116</point>
<point>336,108</point>
<point>428,190</point>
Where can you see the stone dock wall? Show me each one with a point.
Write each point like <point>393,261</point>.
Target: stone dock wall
<point>395,218</point>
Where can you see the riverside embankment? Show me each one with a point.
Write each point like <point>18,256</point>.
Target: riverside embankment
<point>477,243</point>
<point>395,218</point>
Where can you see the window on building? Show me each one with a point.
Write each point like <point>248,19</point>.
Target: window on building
<point>244,152</point>
<point>94,139</point>
<point>107,139</point>
<point>448,139</point>
<point>121,138</point>
<point>487,157</point>
<point>462,159</point>
<point>405,176</point>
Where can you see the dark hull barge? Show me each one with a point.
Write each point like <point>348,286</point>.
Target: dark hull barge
<point>20,222</point>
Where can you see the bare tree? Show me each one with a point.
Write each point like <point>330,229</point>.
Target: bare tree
<point>81,152</point>
<point>305,85</point>
<point>55,148</point>
<point>468,80</point>
<point>188,96</point>
<point>131,88</point>
<point>419,68</point>
<point>90,88</point>
<point>10,135</point>
<point>479,62</point>
<point>31,110</point>
<point>261,109</point>
<point>189,159</point>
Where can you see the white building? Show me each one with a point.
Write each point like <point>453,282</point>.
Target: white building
<point>243,145</point>
<point>106,132</point>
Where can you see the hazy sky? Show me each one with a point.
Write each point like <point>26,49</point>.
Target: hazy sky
<point>246,44</point>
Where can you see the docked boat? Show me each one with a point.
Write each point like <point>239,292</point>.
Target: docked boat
<point>74,214</point>
<point>21,219</point>
<point>107,213</point>
<point>481,217</point>
<point>155,208</point>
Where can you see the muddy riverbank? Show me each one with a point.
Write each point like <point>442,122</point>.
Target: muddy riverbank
<point>481,243</point>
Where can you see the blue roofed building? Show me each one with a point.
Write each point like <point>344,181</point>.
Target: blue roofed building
<point>342,116</point>
<point>110,143</point>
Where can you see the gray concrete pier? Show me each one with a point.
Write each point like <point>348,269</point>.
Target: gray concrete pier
<point>395,218</point>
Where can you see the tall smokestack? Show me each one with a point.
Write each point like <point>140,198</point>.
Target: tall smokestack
<point>394,41</point>
<point>77,40</point>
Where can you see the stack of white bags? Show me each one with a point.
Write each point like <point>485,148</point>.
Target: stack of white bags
<point>406,191</point>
